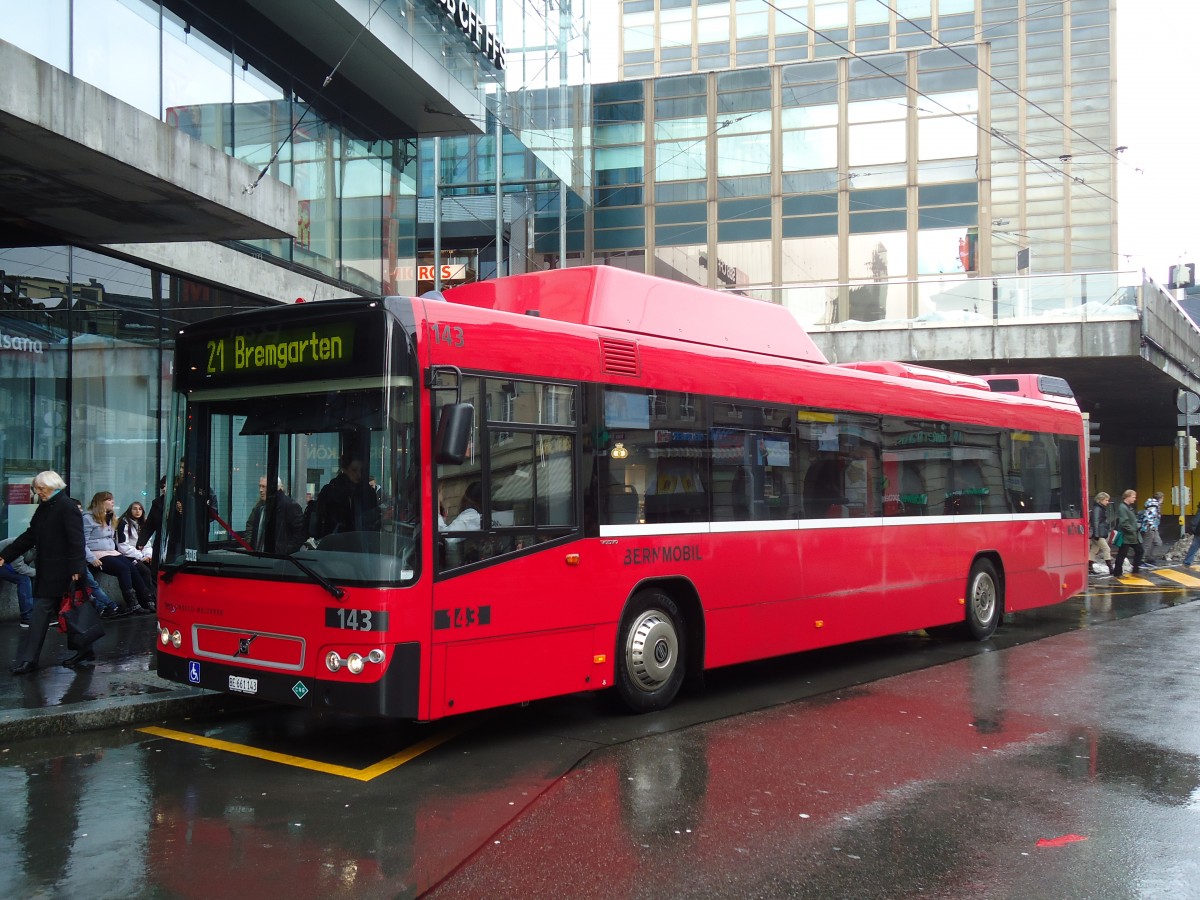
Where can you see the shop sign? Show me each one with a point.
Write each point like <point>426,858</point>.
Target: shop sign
<point>469,23</point>
<point>18,494</point>
<point>426,273</point>
<point>19,344</point>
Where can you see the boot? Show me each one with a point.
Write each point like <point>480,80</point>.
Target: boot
<point>1110,566</point>
<point>134,605</point>
<point>149,602</point>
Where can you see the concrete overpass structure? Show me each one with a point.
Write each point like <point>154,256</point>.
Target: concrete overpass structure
<point>1125,360</point>
<point>80,167</point>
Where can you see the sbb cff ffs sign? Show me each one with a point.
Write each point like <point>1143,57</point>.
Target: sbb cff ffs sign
<point>483,36</point>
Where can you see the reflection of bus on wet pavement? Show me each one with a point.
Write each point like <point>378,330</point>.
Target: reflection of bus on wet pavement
<point>894,788</point>
<point>671,479</point>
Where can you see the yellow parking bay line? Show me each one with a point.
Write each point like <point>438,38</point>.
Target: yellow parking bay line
<point>1179,576</point>
<point>300,762</point>
<point>1134,580</point>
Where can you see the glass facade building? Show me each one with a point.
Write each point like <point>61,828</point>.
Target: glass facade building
<point>86,350</point>
<point>855,160</point>
<point>862,160</point>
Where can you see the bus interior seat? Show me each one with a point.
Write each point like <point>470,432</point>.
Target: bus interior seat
<point>622,504</point>
<point>691,507</point>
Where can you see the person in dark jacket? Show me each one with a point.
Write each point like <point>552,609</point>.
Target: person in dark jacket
<point>1101,553</point>
<point>346,503</point>
<point>153,525</point>
<point>286,516</point>
<point>56,531</point>
<point>1194,547</point>
<point>1130,535</point>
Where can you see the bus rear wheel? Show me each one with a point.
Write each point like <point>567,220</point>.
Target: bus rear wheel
<point>651,652</point>
<point>983,601</point>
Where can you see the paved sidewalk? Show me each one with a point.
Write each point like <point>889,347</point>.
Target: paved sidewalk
<point>121,688</point>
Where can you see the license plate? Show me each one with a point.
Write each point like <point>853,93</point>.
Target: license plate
<point>243,685</point>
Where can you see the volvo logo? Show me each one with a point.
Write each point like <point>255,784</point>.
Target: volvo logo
<point>244,645</point>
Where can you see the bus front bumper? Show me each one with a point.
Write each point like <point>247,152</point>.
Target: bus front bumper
<point>393,695</point>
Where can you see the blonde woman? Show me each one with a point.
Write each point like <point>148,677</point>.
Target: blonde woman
<point>100,548</point>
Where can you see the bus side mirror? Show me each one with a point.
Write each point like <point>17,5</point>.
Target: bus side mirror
<point>455,423</point>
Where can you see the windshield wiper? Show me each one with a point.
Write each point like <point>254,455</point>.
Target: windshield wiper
<point>169,572</point>
<point>336,592</point>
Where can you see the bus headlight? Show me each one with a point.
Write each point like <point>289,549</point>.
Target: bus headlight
<point>164,635</point>
<point>176,639</point>
<point>355,663</point>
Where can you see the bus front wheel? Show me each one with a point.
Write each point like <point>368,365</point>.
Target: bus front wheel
<point>651,650</point>
<point>983,601</point>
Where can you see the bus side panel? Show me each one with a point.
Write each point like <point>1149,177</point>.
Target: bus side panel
<point>484,674</point>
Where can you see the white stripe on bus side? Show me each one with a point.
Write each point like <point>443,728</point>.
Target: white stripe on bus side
<point>676,528</point>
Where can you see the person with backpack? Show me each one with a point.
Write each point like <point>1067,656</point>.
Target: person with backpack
<point>1100,553</point>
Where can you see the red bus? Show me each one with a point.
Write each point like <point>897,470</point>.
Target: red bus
<point>579,480</point>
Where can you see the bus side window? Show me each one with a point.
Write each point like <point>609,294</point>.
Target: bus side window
<point>824,492</point>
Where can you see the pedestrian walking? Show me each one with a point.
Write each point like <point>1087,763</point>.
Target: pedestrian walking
<point>1100,554</point>
<point>1148,521</point>
<point>56,531</point>
<point>1128,534</point>
<point>1194,529</point>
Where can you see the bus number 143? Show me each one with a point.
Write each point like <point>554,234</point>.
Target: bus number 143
<point>355,619</point>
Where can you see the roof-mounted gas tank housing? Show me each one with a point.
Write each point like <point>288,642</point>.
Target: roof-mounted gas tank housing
<point>607,297</point>
<point>1050,388</point>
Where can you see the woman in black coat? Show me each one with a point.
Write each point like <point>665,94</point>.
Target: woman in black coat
<point>56,530</point>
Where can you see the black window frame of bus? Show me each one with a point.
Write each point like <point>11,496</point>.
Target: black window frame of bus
<point>557,535</point>
<point>1065,500</point>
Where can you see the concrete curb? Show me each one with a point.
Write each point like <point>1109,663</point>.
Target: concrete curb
<point>113,712</point>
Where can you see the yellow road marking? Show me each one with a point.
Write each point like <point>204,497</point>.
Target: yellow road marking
<point>1134,579</point>
<point>300,762</point>
<point>1180,577</point>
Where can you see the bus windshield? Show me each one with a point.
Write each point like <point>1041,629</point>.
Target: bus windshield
<point>313,480</point>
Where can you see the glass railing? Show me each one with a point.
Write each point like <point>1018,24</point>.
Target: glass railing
<point>961,300</point>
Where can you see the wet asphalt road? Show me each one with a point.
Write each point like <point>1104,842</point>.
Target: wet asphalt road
<point>1057,760</point>
<point>1065,768</point>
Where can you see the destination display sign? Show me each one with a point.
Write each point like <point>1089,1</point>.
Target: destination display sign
<point>282,346</point>
<point>307,347</point>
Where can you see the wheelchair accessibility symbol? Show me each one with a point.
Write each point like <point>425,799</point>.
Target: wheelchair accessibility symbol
<point>194,672</point>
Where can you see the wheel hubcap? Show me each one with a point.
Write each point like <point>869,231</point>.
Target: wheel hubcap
<point>984,600</point>
<point>653,650</point>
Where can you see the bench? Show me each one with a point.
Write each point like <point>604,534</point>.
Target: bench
<point>10,612</point>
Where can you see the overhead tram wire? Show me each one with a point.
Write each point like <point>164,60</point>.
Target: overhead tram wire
<point>308,106</point>
<point>726,123</point>
<point>931,99</point>
<point>974,65</point>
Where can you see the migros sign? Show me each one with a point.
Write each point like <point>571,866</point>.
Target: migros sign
<point>468,21</point>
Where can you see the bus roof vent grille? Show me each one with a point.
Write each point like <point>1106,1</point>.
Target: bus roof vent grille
<point>620,357</point>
